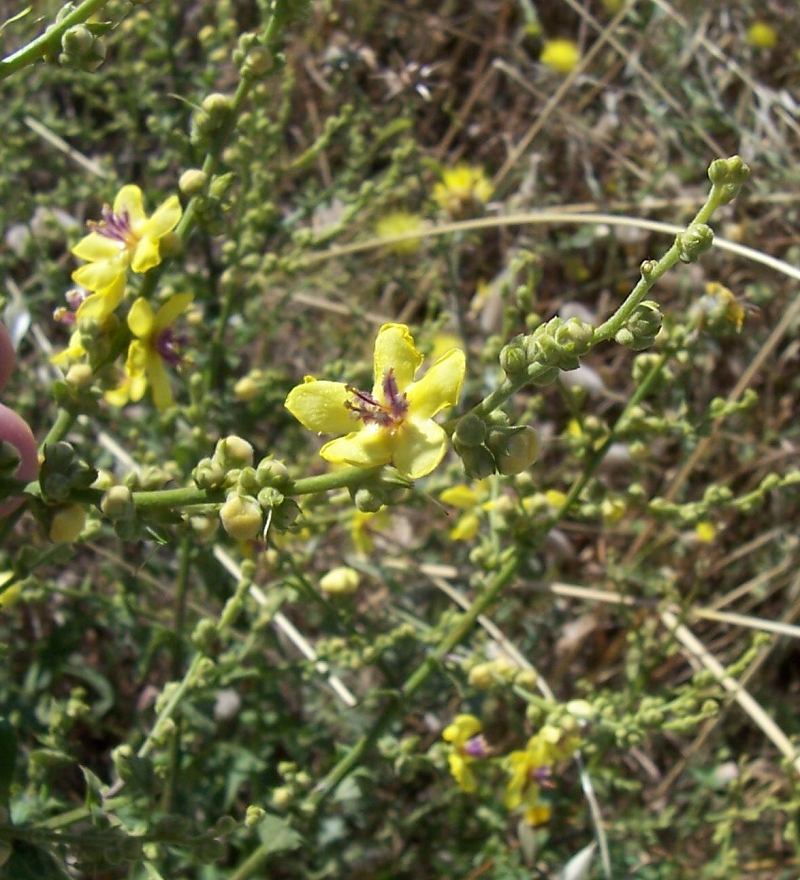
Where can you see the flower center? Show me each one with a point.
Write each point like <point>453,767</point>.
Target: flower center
<point>115,226</point>
<point>476,747</point>
<point>168,346</point>
<point>389,414</point>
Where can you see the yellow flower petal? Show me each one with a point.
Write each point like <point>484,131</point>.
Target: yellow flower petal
<point>159,381</point>
<point>395,350</point>
<point>146,255</point>
<point>419,446</point>
<point>320,406</point>
<point>461,496</point>
<point>172,309</point>
<point>462,772</point>
<point>369,447</point>
<point>100,275</point>
<point>440,387</point>
<point>466,528</point>
<point>100,305</point>
<point>163,220</point>
<point>141,319</point>
<point>129,200</point>
<point>95,247</point>
<point>462,728</point>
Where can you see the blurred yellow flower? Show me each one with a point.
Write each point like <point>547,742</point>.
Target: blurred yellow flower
<point>394,422</point>
<point>462,188</point>
<point>472,500</point>
<point>762,35</point>
<point>560,55</point>
<point>705,531</point>
<point>467,745</point>
<point>125,237</point>
<point>400,223</point>
<point>154,345</point>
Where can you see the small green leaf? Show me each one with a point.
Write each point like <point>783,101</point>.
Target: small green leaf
<point>277,835</point>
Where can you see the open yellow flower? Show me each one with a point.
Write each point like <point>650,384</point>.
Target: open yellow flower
<point>125,237</point>
<point>467,745</point>
<point>392,424</point>
<point>461,188</point>
<point>154,346</point>
<point>472,500</point>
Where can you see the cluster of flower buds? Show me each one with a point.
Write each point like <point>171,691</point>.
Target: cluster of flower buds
<point>556,345</point>
<point>494,446</point>
<point>250,490</point>
<point>82,46</point>
<point>642,327</point>
<point>728,175</point>
<point>62,472</point>
<point>695,240</point>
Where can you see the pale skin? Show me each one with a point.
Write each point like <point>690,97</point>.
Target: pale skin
<point>14,429</point>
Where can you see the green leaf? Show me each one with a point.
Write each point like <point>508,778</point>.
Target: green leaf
<point>277,835</point>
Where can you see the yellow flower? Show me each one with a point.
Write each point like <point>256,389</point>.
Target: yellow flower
<point>530,770</point>
<point>155,344</point>
<point>125,237</point>
<point>464,736</point>
<point>470,499</point>
<point>362,524</point>
<point>705,531</point>
<point>762,35</point>
<point>394,422</point>
<point>560,55</point>
<point>400,223</point>
<point>461,188</point>
<point>74,351</point>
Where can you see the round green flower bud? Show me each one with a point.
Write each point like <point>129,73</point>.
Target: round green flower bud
<point>253,815</point>
<point>470,431</point>
<point>271,472</point>
<point>729,175</point>
<point>286,515</point>
<point>67,524</point>
<point>341,581</point>
<point>241,517</point>
<point>235,451</point>
<point>695,240</point>
<point>79,376</point>
<point>478,461</point>
<point>217,104</point>
<point>117,503</point>
<point>367,501</point>
<point>513,360</point>
<point>192,181</point>
<point>516,453</point>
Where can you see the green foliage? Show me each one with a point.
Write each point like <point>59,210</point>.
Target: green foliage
<point>223,660</point>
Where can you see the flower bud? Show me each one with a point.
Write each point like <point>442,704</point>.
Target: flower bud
<point>247,388</point>
<point>341,581</point>
<point>79,375</point>
<point>241,517</point>
<point>117,503</point>
<point>515,453</point>
<point>203,527</point>
<point>696,239</point>
<point>192,181</point>
<point>642,327</point>
<point>209,474</point>
<point>271,472</point>
<point>729,175</point>
<point>470,431</point>
<point>234,452</point>
<point>478,461</point>
<point>67,524</point>
<point>367,501</point>
<point>253,815</point>
<point>285,516</point>
<point>513,360</point>
<point>217,105</point>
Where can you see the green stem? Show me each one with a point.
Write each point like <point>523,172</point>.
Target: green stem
<point>415,681</point>
<point>50,40</point>
<point>64,421</point>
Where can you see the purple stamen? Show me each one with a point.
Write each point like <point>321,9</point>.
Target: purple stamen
<point>477,747</point>
<point>372,411</point>
<point>75,297</point>
<point>543,776</point>
<point>168,347</point>
<point>115,226</point>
